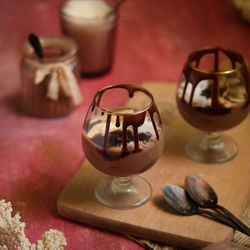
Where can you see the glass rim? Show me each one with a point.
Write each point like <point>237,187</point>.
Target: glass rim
<point>123,86</point>
<point>110,13</point>
<point>210,50</point>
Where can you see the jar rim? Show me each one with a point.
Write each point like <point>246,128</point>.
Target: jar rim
<point>68,45</point>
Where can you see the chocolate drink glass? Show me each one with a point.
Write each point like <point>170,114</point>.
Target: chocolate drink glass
<point>213,95</point>
<point>123,136</point>
<point>92,23</point>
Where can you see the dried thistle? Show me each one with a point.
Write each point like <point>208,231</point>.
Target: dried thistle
<point>12,234</point>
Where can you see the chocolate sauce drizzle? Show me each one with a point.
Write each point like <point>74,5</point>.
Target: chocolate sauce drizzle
<point>194,76</point>
<point>117,123</point>
<point>134,120</point>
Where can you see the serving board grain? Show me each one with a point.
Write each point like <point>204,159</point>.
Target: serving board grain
<point>155,220</point>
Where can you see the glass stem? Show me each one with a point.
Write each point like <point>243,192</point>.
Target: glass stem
<point>122,184</point>
<point>212,141</point>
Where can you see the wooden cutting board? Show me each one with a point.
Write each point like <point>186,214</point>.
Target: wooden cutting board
<point>155,220</point>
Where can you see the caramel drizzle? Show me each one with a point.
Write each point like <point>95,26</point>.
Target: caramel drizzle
<point>106,132</point>
<point>151,111</point>
<point>194,77</point>
<point>117,123</point>
<point>135,121</point>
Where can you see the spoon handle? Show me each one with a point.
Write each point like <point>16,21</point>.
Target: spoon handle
<point>34,41</point>
<point>220,219</point>
<point>245,229</point>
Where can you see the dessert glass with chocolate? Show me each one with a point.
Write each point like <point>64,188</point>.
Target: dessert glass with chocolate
<point>213,95</point>
<point>123,136</point>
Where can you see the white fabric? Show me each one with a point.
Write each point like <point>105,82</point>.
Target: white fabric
<point>61,79</point>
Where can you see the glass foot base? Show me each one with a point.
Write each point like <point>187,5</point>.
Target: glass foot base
<point>123,192</point>
<point>208,151</point>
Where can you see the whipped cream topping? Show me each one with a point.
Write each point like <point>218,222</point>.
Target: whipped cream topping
<point>96,133</point>
<point>232,93</point>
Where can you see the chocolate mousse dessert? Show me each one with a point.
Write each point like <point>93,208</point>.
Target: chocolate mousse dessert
<point>122,152</point>
<point>214,100</point>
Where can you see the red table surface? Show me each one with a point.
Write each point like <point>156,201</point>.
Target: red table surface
<point>39,156</point>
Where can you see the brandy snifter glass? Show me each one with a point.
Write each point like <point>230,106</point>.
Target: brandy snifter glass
<point>123,136</point>
<point>213,96</point>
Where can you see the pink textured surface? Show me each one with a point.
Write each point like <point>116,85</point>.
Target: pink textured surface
<point>38,156</point>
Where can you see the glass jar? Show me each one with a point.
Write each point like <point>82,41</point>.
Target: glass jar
<point>50,86</point>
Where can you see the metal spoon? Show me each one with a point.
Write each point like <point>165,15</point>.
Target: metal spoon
<point>180,201</point>
<point>204,195</point>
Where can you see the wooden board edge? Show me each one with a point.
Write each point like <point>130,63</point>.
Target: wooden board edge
<point>133,230</point>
